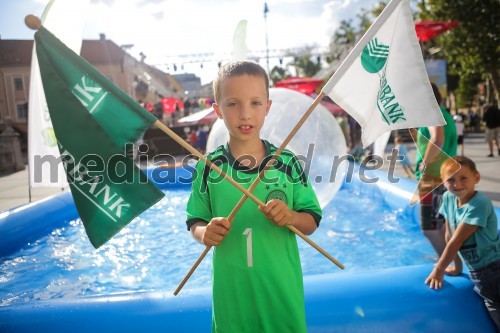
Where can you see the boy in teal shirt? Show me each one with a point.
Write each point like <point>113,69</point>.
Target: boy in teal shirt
<point>257,276</point>
<point>472,232</point>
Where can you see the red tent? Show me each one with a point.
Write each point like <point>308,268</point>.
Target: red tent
<point>427,30</point>
<point>304,85</point>
<point>168,104</point>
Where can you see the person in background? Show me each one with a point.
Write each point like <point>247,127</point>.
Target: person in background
<point>491,118</point>
<point>344,126</point>
<point>202,138</point>
<point>357,153</point>
<point>434,145</point>
<point>196,105</point>
<point>472,232</point>
<point>187,107</point>
<point>193,139</point>
<point>256,272</point>
<point>402,151</point>
<point>460,132</point>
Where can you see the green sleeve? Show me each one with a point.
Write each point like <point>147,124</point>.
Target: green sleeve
<point>198,206</point>
<point>304,197</point>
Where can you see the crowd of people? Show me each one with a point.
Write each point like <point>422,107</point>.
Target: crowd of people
<point>171,110</point>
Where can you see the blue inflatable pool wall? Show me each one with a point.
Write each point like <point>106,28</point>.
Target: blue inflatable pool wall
<point>389,300</point>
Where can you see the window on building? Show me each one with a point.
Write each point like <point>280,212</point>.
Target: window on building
<point>18,84</point>
<point>22,110</point>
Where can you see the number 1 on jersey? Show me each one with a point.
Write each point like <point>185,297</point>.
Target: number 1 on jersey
<point>248,233</point>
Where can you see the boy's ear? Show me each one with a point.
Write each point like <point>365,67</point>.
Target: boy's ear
<point>217,110</point>
<point>477,177</point>
<point>269,102</point>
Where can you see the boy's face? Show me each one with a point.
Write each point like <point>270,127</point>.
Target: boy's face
<point>462,183</point>
<point>243,105</point>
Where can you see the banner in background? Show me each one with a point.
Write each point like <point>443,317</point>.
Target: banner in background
<point>66,19</point>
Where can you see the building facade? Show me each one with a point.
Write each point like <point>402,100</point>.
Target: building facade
<point>139,80</point>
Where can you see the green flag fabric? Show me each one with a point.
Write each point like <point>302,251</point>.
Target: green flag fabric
<point>94,121</point>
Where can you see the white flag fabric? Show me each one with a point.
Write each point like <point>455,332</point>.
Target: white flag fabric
<point>380,144</point>
<point>240,50</point>
<point>66,19</point>
<point>383,83</point>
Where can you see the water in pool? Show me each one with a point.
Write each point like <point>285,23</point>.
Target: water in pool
<point>155,251</point>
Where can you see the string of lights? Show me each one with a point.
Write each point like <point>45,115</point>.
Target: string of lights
<point>178,61</point>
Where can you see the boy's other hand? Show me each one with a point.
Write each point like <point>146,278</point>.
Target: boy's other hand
<point>452,270</point>
<point>215,231</point>
<point>435,279</point>
<point>278,212</point>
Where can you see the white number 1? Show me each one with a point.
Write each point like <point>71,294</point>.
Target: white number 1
<point>248,233</point>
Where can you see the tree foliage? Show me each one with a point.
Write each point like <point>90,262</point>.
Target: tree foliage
<point>278,74</point>
<point>467,88</point>
<point>473,48</point>
<point>306,65</point>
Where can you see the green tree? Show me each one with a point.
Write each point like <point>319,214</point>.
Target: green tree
<point>305,63</point>
<point>278,74</point>
<point>467,89</point>
<point>345,34</point>
<point>473,48</point>
<point>343,39</point>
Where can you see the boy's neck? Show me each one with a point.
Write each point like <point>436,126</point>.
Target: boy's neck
<point>466,199</point>
<point>241,152</point>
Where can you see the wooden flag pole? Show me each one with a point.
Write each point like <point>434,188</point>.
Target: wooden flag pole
<point>252,187</point>
<point>214,167</point>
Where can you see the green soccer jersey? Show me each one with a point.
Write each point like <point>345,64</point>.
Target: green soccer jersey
<point>449,146</point>
<point>257,276</point>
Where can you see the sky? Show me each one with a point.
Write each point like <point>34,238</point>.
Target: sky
<point>165,29</point>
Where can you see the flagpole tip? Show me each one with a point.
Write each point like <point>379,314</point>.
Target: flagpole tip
<point>33,22</point>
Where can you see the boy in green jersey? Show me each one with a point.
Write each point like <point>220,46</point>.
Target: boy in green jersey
<point>257,276</point>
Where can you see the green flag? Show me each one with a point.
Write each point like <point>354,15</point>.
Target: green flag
<point>94,121</point>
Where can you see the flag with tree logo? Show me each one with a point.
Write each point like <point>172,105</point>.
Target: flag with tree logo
<point>94,121</point>
<point>383,83</point>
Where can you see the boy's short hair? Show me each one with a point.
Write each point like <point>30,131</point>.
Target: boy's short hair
<point>237,68</point>
<point>451,164</point>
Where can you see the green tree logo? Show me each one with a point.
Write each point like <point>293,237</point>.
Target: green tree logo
<point>374,56</point>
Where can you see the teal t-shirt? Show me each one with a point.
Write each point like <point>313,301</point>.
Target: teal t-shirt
<point>483,246</point>
<point>256,273</point>
<point>449,146</point>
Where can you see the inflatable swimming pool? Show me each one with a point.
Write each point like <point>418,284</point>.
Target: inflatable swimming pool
<point>387,300</point>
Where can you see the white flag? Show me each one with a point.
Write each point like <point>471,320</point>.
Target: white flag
<point>240,50</point>
<point>383,83</point>
<point>66,20</point>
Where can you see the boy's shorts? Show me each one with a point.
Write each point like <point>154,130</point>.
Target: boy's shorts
<point>430,202</point>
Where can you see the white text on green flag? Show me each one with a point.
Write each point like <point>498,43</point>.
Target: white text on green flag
<point>93,122</point>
